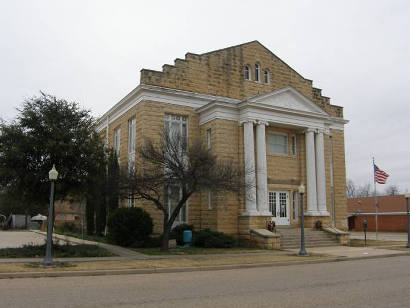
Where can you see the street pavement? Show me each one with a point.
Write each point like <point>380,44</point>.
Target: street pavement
<point>384,236</point>
<point>15,239</point>
<point>359,283</point>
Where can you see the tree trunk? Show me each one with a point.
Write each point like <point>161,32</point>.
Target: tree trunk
<point>165,234</point>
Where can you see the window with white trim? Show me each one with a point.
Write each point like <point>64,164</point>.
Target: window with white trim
<point>177,126</point>
<point>208,138</point>
<point>247,73</point>
<point>294,145</point>
<point>278,144</point>
<point>131,143</point>
<point>266,76</point>
<point>257,72</point>
<point>117,141</point>
<point>173,194</point>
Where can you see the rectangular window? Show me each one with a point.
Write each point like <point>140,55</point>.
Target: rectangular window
<point>294,145</point>
<point>131,143</point>
<point>272,203</point>
<point>278,143</point>
<point>295,206</point>
<point>172,196</point>
<point>117,140</point>
<point>208,138</point>
<point>176,126</point>
<point>209,199</point>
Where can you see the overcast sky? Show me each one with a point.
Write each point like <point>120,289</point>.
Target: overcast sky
<point>91,52</point>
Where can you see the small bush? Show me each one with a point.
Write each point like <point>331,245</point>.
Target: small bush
<point>129,225</point>
<point>178,232</point>
<point>67,227</point>
<point>213,239</point>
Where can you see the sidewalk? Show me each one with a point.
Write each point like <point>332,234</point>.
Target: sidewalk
<point>117,250</point>
<point>381,236</point>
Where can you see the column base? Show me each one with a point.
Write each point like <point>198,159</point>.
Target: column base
<point>251,213</point>
<point>265,213</point>
<point>317,213</point>
<point>312,213</point>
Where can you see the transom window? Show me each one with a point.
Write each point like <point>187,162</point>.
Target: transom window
<point>278,143</point>
<point>247,73</point>
<point>257,72</point>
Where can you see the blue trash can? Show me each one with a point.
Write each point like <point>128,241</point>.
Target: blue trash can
<point>187,237</point>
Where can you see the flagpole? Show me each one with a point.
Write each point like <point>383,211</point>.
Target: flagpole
<point>375,198</point>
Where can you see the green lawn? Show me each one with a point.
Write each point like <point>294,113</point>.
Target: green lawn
<point>59,251</point>
<point>197,251</point>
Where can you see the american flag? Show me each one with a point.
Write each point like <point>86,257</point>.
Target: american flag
<point>380,176</point>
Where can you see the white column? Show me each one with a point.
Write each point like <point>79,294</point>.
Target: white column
<point>320,174</point>
<point>311,173</point>
<point>261,175</point>
<point>249,148</point>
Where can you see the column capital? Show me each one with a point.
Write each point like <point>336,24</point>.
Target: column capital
<point>310,130</point>
<point>241,122</point>
<point>260,122</point>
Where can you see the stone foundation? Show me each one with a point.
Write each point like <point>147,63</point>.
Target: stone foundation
<point>246,223</point>
<point>311,220</point>
<point>264,239</point>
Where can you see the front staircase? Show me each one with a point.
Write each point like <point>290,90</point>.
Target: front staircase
<point>290,238</point>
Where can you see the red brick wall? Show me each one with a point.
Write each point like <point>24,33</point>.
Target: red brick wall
<point>389,223</point>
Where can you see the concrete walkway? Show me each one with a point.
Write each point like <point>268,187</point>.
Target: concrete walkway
<point>117,250</point>
<point>16,239</point>
<point>382,236</point>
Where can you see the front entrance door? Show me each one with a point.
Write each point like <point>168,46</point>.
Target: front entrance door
<point>279,207</point>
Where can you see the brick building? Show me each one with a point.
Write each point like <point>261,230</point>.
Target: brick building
<point>249,106</point>
<point>392,215</point>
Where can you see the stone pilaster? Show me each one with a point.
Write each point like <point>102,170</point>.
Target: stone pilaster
<point>261,176</point>
<point>249,147</point>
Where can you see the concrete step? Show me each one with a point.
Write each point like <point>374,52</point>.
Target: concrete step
<point>290,238</point>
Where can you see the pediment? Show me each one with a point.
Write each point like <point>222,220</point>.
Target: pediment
<point>288,98</point>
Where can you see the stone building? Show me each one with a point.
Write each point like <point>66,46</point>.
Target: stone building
<point>247,105</point>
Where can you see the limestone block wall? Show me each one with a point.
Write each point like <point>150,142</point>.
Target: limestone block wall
<point>221,72</point>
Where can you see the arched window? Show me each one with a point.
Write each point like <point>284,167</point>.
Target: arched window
<point>247,73</point>
<point>257,72</point>
<point>266,76</point>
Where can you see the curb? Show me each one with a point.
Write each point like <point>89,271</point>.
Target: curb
<point>183,269</point>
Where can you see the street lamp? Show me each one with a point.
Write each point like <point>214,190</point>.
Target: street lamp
<point>302,251</point>
<point>52,175</point>
<point>407,196</point>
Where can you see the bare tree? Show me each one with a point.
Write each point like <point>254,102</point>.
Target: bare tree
<point>351,189</point>
<point>364,191</point>
<point>172,163</point>
<point>392,190</point>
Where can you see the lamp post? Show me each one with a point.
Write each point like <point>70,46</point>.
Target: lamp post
<point>407,196</point>
<point>302,251</point>
<point>48,260</point>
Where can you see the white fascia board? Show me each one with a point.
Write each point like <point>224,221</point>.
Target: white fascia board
<point>161,95</point>
<point>273,116</point>
<point>218,111</point>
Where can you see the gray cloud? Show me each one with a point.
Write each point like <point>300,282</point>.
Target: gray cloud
<point>92,51</point>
